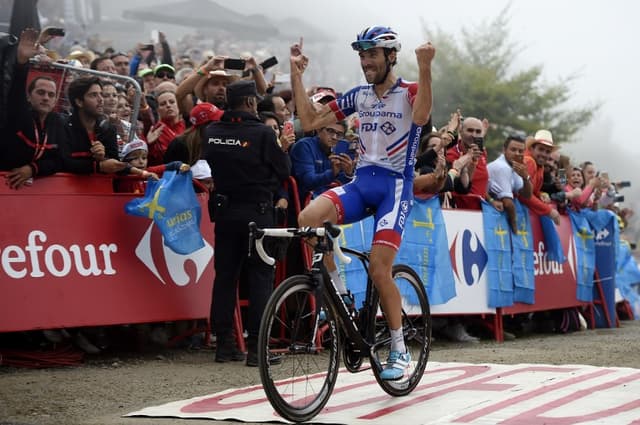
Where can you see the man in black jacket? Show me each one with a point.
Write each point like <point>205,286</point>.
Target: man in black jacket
<point>92,146</point>
<point>34,130</point>
<point>248,166</point>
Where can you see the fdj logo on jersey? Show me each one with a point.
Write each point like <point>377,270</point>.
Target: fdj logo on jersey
<point>386,127</point>
<point>368,126</point>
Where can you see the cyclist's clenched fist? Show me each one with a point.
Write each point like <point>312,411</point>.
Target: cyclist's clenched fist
<point>425,53</point>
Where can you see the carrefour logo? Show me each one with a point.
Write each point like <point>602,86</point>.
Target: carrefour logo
<point>468,257</point>
<point>172,262</point>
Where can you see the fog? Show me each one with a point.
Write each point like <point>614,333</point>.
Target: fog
<point>592,41</point>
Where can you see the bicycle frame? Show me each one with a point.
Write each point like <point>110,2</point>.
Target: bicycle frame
<point>320,276</point>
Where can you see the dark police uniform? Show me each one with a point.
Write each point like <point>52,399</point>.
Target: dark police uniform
<point>247,167</point>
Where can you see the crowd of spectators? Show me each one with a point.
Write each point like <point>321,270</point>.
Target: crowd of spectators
<point>81,123</point>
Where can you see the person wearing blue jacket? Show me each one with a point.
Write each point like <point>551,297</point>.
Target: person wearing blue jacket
<point>322,161</point>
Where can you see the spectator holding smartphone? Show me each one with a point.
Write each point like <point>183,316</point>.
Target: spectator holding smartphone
<point>322,161</point>
<point>539,147</point>
<point>508,177</point>
<point>471,142</point>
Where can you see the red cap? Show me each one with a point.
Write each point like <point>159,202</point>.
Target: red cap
<point>204,113</point>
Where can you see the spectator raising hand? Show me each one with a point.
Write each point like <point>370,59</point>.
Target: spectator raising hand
<point>29,46</point>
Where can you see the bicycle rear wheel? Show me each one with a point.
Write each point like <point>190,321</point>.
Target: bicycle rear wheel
<point>298,351</point>
<point>416,325</point>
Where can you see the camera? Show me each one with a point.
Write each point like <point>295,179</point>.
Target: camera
<point>622,184</point>
<point>559,197</point>
<point>618,198</point>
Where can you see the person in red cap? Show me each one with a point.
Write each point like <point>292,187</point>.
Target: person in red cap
<point>187,147</point>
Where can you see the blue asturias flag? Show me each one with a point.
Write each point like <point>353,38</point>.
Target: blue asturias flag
<point>497,240</point>
<point>355,236</point>
<point>172,204</point>
<point>583,239</point>
<point>628,277</point>
<point>425,248</point>
<point>552,240</point>
<point>522,247</point>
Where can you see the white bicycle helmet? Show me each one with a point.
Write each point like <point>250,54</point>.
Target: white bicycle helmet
<point>376,36</point>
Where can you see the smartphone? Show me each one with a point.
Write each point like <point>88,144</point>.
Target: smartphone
<point>268,63</point>
<point>624,183</point>
<point>479,141</point>
<point>55,32</point>
<point>147,47</point>
<point>234,64</point>
<point>288,128</point>
<point>562,176</point>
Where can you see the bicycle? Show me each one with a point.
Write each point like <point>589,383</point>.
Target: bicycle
<point>306,321</point>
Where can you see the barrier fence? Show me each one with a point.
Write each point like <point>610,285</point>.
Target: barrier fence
<point>71,257</point>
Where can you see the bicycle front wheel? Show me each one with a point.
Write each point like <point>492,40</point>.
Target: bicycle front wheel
<point>297,350</point>
<point>416,326</point>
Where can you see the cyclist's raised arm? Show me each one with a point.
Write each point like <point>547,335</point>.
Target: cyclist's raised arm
<point>423,99</point>
<point>310,117</point>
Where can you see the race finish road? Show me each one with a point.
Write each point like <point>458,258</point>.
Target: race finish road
<point>112,385</point>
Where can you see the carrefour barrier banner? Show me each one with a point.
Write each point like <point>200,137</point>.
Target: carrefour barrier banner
<point>522,246</point>
<point>583,238</point>
<point>469,259</point>
<point>497,236</point>
<point>70,260</point>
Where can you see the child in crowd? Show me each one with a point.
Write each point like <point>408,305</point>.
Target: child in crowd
<point>135,154</point>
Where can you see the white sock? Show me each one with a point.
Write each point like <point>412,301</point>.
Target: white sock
<point>397,340</point>
<point>337,280</point>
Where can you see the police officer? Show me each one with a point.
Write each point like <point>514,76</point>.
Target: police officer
<point>248,166</point>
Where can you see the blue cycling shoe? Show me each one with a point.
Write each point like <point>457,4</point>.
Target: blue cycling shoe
<point>397,363</point>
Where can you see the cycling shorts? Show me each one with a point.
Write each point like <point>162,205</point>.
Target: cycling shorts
<point>385,193</point>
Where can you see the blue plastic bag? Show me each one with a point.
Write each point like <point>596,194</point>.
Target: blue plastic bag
<point>172,204</point>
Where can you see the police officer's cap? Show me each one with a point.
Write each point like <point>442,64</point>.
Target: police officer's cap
<point>242,88</point>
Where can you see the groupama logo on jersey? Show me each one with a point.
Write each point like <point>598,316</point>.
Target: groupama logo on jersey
<point>468,257</point>
<point>166,264</point>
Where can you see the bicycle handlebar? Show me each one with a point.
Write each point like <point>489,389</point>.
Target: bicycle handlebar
<point>328,229</point>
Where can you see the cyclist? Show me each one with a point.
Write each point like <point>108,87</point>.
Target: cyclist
<point>391,112</point>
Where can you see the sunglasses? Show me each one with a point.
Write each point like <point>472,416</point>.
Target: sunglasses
<point>363,45</point>
<point>164,74</point>
<point>334,133</point>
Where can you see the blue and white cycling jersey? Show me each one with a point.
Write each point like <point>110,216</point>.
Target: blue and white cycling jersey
<point>388,136</point>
